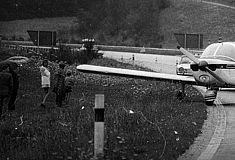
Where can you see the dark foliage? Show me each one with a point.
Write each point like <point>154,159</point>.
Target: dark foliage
<point>26,9</point>
<point>120,22</point>
<point>112,22</point>
<point>72,56</point>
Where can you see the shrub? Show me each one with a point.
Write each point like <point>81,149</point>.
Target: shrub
<point>20,39</point>
<point>4,37</point>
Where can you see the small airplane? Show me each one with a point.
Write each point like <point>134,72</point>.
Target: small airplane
<point>215,69</point>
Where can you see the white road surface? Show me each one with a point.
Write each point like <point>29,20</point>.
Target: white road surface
<point>158,63</point>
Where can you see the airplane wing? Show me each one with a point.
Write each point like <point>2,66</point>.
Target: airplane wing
<point>136,74</point>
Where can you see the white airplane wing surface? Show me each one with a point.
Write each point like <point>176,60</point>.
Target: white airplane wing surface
<point>136,74</point>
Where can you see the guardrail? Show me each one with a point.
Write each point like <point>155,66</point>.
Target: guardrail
<point>160,51</point>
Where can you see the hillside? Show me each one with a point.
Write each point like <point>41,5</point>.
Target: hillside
<point>191,16</point>
<point>109,22</point>
<point>18,28</point>
<point>196,17</point>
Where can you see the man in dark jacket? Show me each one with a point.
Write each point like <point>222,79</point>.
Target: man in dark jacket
<point>6,84</point>
<point>59,87</point>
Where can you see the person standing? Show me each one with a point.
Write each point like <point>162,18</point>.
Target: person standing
<point>69,83</point>
<point>45,80</point>
<point>6,84</point>
<point>59,88</point>
<point>15,78</point>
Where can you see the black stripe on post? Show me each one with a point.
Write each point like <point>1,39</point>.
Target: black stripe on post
<point>99,114</point>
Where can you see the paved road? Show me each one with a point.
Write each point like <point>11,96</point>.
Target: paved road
<point>222,143</point>
<point>226,149</point>
<point>218,141</point>
<point>158,63</point>
<point>218,4</point>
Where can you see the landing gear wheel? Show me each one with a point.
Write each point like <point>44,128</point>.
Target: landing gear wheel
<point>180,95</point>
<point>210,97</point>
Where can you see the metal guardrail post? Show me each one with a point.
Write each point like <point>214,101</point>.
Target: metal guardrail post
<point>99,126</point>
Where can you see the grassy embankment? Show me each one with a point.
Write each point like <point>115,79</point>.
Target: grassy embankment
<point>143,119</point>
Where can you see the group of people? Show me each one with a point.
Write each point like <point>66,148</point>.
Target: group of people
<point>62,86</point>
<point>9,84</point>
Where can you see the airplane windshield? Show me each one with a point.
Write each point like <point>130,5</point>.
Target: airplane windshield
<point>223,51</point>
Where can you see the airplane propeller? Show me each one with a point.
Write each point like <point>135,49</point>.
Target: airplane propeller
<point>203,64</point>
<point>189,55</point>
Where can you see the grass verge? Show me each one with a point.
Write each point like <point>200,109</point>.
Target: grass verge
<point>143,119</point>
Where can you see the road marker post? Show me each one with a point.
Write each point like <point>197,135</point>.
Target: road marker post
<point>99,126</point>
<point>122,58</point>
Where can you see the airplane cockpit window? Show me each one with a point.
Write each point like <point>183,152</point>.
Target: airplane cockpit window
<point>210,50</point>
<point>223,51</point>
<point>226,51</point>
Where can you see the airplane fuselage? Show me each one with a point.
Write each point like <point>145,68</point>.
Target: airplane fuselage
<point>224,69</point>
<point>206,79</point>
